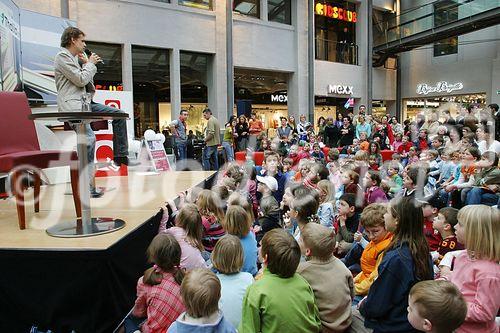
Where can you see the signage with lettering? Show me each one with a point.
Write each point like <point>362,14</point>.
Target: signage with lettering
<point>9,24</point>
<point>440,87</point>
<point>335,12</point>
<point>340,89</point>
<point>279,98</point>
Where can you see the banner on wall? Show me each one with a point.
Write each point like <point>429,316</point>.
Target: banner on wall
<point>10,46</point>
<point>40,42</point>
<point>122,100</point>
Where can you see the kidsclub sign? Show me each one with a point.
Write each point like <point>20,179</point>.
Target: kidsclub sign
<point>335,12</point>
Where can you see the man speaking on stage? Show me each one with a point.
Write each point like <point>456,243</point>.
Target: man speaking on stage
<point>74,73</point>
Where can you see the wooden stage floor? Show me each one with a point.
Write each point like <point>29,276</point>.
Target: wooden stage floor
<point>133,199</point>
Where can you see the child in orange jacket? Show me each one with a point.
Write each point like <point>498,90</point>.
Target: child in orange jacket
<point>372,219</point>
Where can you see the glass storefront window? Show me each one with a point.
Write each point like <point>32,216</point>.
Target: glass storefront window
<point>194,89</point>
<point>151,75</point>
<point>454,104</point>
<point>262,92</point>
<point>335,29</point>
<point>109,73</point>
<point>202,4</point>
<point>247,7</point>
<point>279,11</point>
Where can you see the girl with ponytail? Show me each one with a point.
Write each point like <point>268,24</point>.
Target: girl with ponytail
<point>303,210</point>
<point>159,301</point>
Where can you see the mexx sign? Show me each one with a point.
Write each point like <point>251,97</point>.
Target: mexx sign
<point>340,89</point>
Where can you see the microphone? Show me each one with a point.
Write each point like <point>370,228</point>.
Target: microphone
<point>89,53</point>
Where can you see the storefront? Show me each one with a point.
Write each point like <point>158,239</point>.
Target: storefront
<point>439,97</point>
<point>335,31</point>
<point>262,92</point>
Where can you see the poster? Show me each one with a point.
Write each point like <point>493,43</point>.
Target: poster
<point>122,100</point>
<point>157,153</point>
<point>40,42</point>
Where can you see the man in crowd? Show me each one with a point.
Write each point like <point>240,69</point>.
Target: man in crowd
<point>178,128</point>
<point>212,141</point>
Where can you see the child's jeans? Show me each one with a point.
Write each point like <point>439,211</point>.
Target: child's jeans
<point>132,324</point>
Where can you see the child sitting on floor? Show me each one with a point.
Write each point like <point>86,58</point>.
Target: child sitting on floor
<point>444,223</point>
<point>158,301</point>
<point>227,259</point>
<point>281,301</point>
<point>188,232</point>
<point>436,307</point>
<point>201,291</point>
<point>346,223</point>
<point>209,206</point>
<point>372,220</point>
<point>330,280</point>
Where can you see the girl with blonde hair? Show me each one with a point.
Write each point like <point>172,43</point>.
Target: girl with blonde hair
<point>476,270</point>
<point>326,208</point>
<point>210,207</point>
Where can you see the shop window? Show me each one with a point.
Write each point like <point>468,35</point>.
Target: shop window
<point>279,11</point>
<point>202,4</point>
<point>151,75</point>
<point>445,12</point>
<point>247,7</point>
<point>335,29</point>
<point>194,88</point>
<point>262,92</point>
<point>109,72</point>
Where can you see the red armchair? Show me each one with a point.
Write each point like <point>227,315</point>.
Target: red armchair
<point>20,153</point>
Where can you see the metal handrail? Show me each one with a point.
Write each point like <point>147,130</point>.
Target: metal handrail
<point>397,28</point>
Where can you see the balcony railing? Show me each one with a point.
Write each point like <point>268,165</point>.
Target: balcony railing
<point>423,18</point>
<point>334,51</point>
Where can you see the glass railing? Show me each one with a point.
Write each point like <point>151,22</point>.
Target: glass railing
<point>429,16</point>
<point>334,51</point>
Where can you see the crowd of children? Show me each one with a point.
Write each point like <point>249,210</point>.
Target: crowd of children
<point>335,243</point>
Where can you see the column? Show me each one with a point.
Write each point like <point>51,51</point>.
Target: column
<point>175,82</point>
<point>128,79</point>
<point>298,83</point>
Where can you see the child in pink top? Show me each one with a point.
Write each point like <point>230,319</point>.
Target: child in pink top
<point>476,271</point>
<point>188,232</point>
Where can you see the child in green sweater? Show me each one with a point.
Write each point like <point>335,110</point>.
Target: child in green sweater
<point>280,301</point>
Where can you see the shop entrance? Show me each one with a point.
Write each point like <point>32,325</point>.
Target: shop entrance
<point>330,107</point>
<point>414,106</point>
<point>262,92</point>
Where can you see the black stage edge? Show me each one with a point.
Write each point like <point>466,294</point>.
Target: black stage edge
<point>82,290</point>
<point>85,291</point>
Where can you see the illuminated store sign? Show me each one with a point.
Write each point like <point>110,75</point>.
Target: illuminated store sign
<point>335,12</point>
<point>279,98</point>
<point>440,87</point>
<point>340,89</point>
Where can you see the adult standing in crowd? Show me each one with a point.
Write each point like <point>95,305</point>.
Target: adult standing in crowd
<point>284,132</point>
<point>496,119</point>
<point>331,133</point>
<point>396,126</point>
<point>363,126</point>
<point>178,128</point>
<point>229,136</point>
<point>303,128</point>
<point>346,133</point>
<point>242,131</point>
<point>448,119</point>
<point>74,78</point>
<point>212,141</point>
<point>255,127</point>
